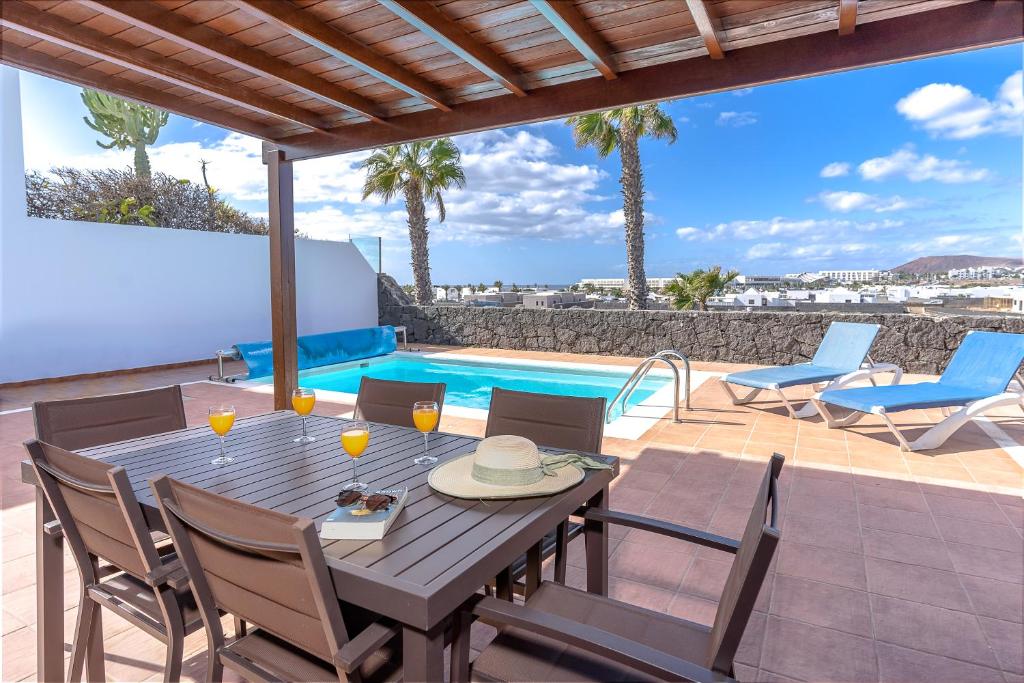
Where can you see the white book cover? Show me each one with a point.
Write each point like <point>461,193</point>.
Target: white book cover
<point>356,522</point>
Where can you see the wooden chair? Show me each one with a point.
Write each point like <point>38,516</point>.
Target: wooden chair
<point>101,518</point>
<point>562,634</point>
<point>390,402</point>
<point>564,422</point>
<point>268,568</point>
<point>85,422</point>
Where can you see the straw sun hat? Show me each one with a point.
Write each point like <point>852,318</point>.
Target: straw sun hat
<point>509,467</point>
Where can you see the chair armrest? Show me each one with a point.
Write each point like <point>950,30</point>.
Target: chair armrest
<point>622,650</point>
<point>353,653</point>
<point>664,528</point>
<point>171,573</point>
<point>53,528</point>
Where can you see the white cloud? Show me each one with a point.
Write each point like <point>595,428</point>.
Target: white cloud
<point>778,227</point>
<point>736,119</point>
<point>811,252</point>
<point>836,169</point>
<point>842,201</point>
<point>917,168</point>
<point>688,233</point>
<point>961,243</point>
<point>742,92</point>
<point>953,111</point>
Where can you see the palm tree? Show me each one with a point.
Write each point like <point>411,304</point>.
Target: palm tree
<point>694,289</point>
<point>498,284</point>
<point>622,129</point>
<point>127,124</point>
<point>420,171</point>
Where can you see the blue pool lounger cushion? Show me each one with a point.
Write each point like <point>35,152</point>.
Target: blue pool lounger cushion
<point>317,350</point>
<point>976,380</point>
<point>838,361</point>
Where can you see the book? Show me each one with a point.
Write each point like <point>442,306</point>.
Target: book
<point>355,522</point>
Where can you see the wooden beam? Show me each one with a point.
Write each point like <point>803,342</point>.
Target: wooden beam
<point>935,32</point>
<point>214,44</point>
<point>707,24</point>
<point>70,72</point>
<point>847,17</point>
<point>432,22</point>
<point>312,31</point>
<point>282,277</point>
<point>52,28</point>
<point>574,28</point>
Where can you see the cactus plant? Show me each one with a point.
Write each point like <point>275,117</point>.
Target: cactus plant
<point>127,124</point>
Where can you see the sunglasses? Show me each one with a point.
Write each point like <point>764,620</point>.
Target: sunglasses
<point>373,503</point>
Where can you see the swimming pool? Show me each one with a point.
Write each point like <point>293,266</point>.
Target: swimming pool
<point>469,381</point>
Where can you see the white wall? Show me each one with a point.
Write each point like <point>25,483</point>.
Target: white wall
<point>81,297</point>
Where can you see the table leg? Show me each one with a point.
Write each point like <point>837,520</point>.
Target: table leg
<point>596,538</point>
<point>49,595</point>
<point>423,655</point>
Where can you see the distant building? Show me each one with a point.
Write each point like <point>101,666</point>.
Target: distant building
<point>851,275</point>
<point>620,283</point>
<point>503,299</point>
<point>1018,301</point>
<point>553,299</point>
<point>804,277</point>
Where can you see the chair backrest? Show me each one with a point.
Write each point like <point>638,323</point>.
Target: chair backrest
<point>568,422</point>
<point>985,360</point>
<point>263,566</point>
<point>845,345</point>
<point>390,402</point>
<point>95,505</point>
<point>86,422</point>
<point>757,546</point>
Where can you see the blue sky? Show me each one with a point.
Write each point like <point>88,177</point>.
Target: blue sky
<point>865,169</point>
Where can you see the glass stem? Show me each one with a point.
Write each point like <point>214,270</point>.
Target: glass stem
<point>426,448</point>
<point>355,479</point>
<point>222,446</point>
<point>303,426</point>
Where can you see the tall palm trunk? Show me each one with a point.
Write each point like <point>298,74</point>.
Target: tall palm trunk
<point>141,160</point>
<point>418,237</point>
<point>632,181</point>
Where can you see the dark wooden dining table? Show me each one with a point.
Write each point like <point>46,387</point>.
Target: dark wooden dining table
<point>439,552</point>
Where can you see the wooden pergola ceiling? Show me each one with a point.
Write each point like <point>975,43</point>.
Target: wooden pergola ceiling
<point>318,77</point>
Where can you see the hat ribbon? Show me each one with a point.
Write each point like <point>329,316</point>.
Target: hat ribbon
<point>497,476</point>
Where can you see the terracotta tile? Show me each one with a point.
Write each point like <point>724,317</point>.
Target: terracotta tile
<point>931,629</point>
<point>822,655</point>
<point>823,508</point>
<point>826,488</point>
<point>886,497</point>
<point>810,531</point>
<point>998,536</point>
<point>900,665</point>
<point>822,604</point>
<point>1007,639</point>
<point>705,579</point>
<point>749,651</point>
<point>998,599</point>
<point>987,562</point>
<point>915,550</point>
<point>645,564</point>
<point>640,594</point>
<point>822,564</point>
<point>19,654</point>
<point>919,584</point>
<point>977,510</point>
<point>901,521</point>
<point>692,608</point>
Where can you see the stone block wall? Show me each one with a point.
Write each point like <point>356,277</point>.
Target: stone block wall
<point>916,343</point>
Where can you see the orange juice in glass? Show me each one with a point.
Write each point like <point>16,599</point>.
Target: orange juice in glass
<point>425,415</point>
<point>222,418</point>
<point>303,401</point>
<point>355,437</point>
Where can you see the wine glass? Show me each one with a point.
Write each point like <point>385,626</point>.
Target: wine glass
<point>303,401</point>
<point>355,436</point>
<point>221,420</point>
<point>425,415</point>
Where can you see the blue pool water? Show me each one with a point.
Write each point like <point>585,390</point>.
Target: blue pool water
<point>469,383</point>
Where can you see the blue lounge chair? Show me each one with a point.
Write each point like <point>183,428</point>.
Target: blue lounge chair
<point>976,380</point>
<point>839,361</point>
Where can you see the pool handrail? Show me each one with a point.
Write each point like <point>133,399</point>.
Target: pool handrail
<point>641,371</point>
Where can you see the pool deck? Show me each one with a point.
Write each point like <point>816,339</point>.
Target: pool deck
<point>893,566</point>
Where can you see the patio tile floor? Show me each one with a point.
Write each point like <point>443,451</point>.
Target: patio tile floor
<point>893,566</point>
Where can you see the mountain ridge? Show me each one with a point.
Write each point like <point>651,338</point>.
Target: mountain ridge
<point>942,264</point>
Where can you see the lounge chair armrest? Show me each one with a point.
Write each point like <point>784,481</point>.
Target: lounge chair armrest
<point>353,653</point>
<point>636,655</point>
<point>53,528</point>
<point>664,528</point>
<point>171,573</point>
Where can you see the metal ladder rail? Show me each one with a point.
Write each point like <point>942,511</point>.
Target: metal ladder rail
<point>641,371</point>
<point>686,375</point>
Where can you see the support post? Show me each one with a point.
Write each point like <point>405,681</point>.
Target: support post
<point>282,276</point>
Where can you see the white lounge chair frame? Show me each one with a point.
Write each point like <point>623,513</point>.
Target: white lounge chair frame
<point>867,371</point>
<point>937,434</point>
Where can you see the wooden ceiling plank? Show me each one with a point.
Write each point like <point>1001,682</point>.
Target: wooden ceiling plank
<point>50,27</point>
<point>452,36</point>
<point>574,28</point>
<point>312,30</point>
<point>708,26</point>
<point>218,46</point>
<point>847,17</point>
<point>69,72</point>
<point>926,34</point>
